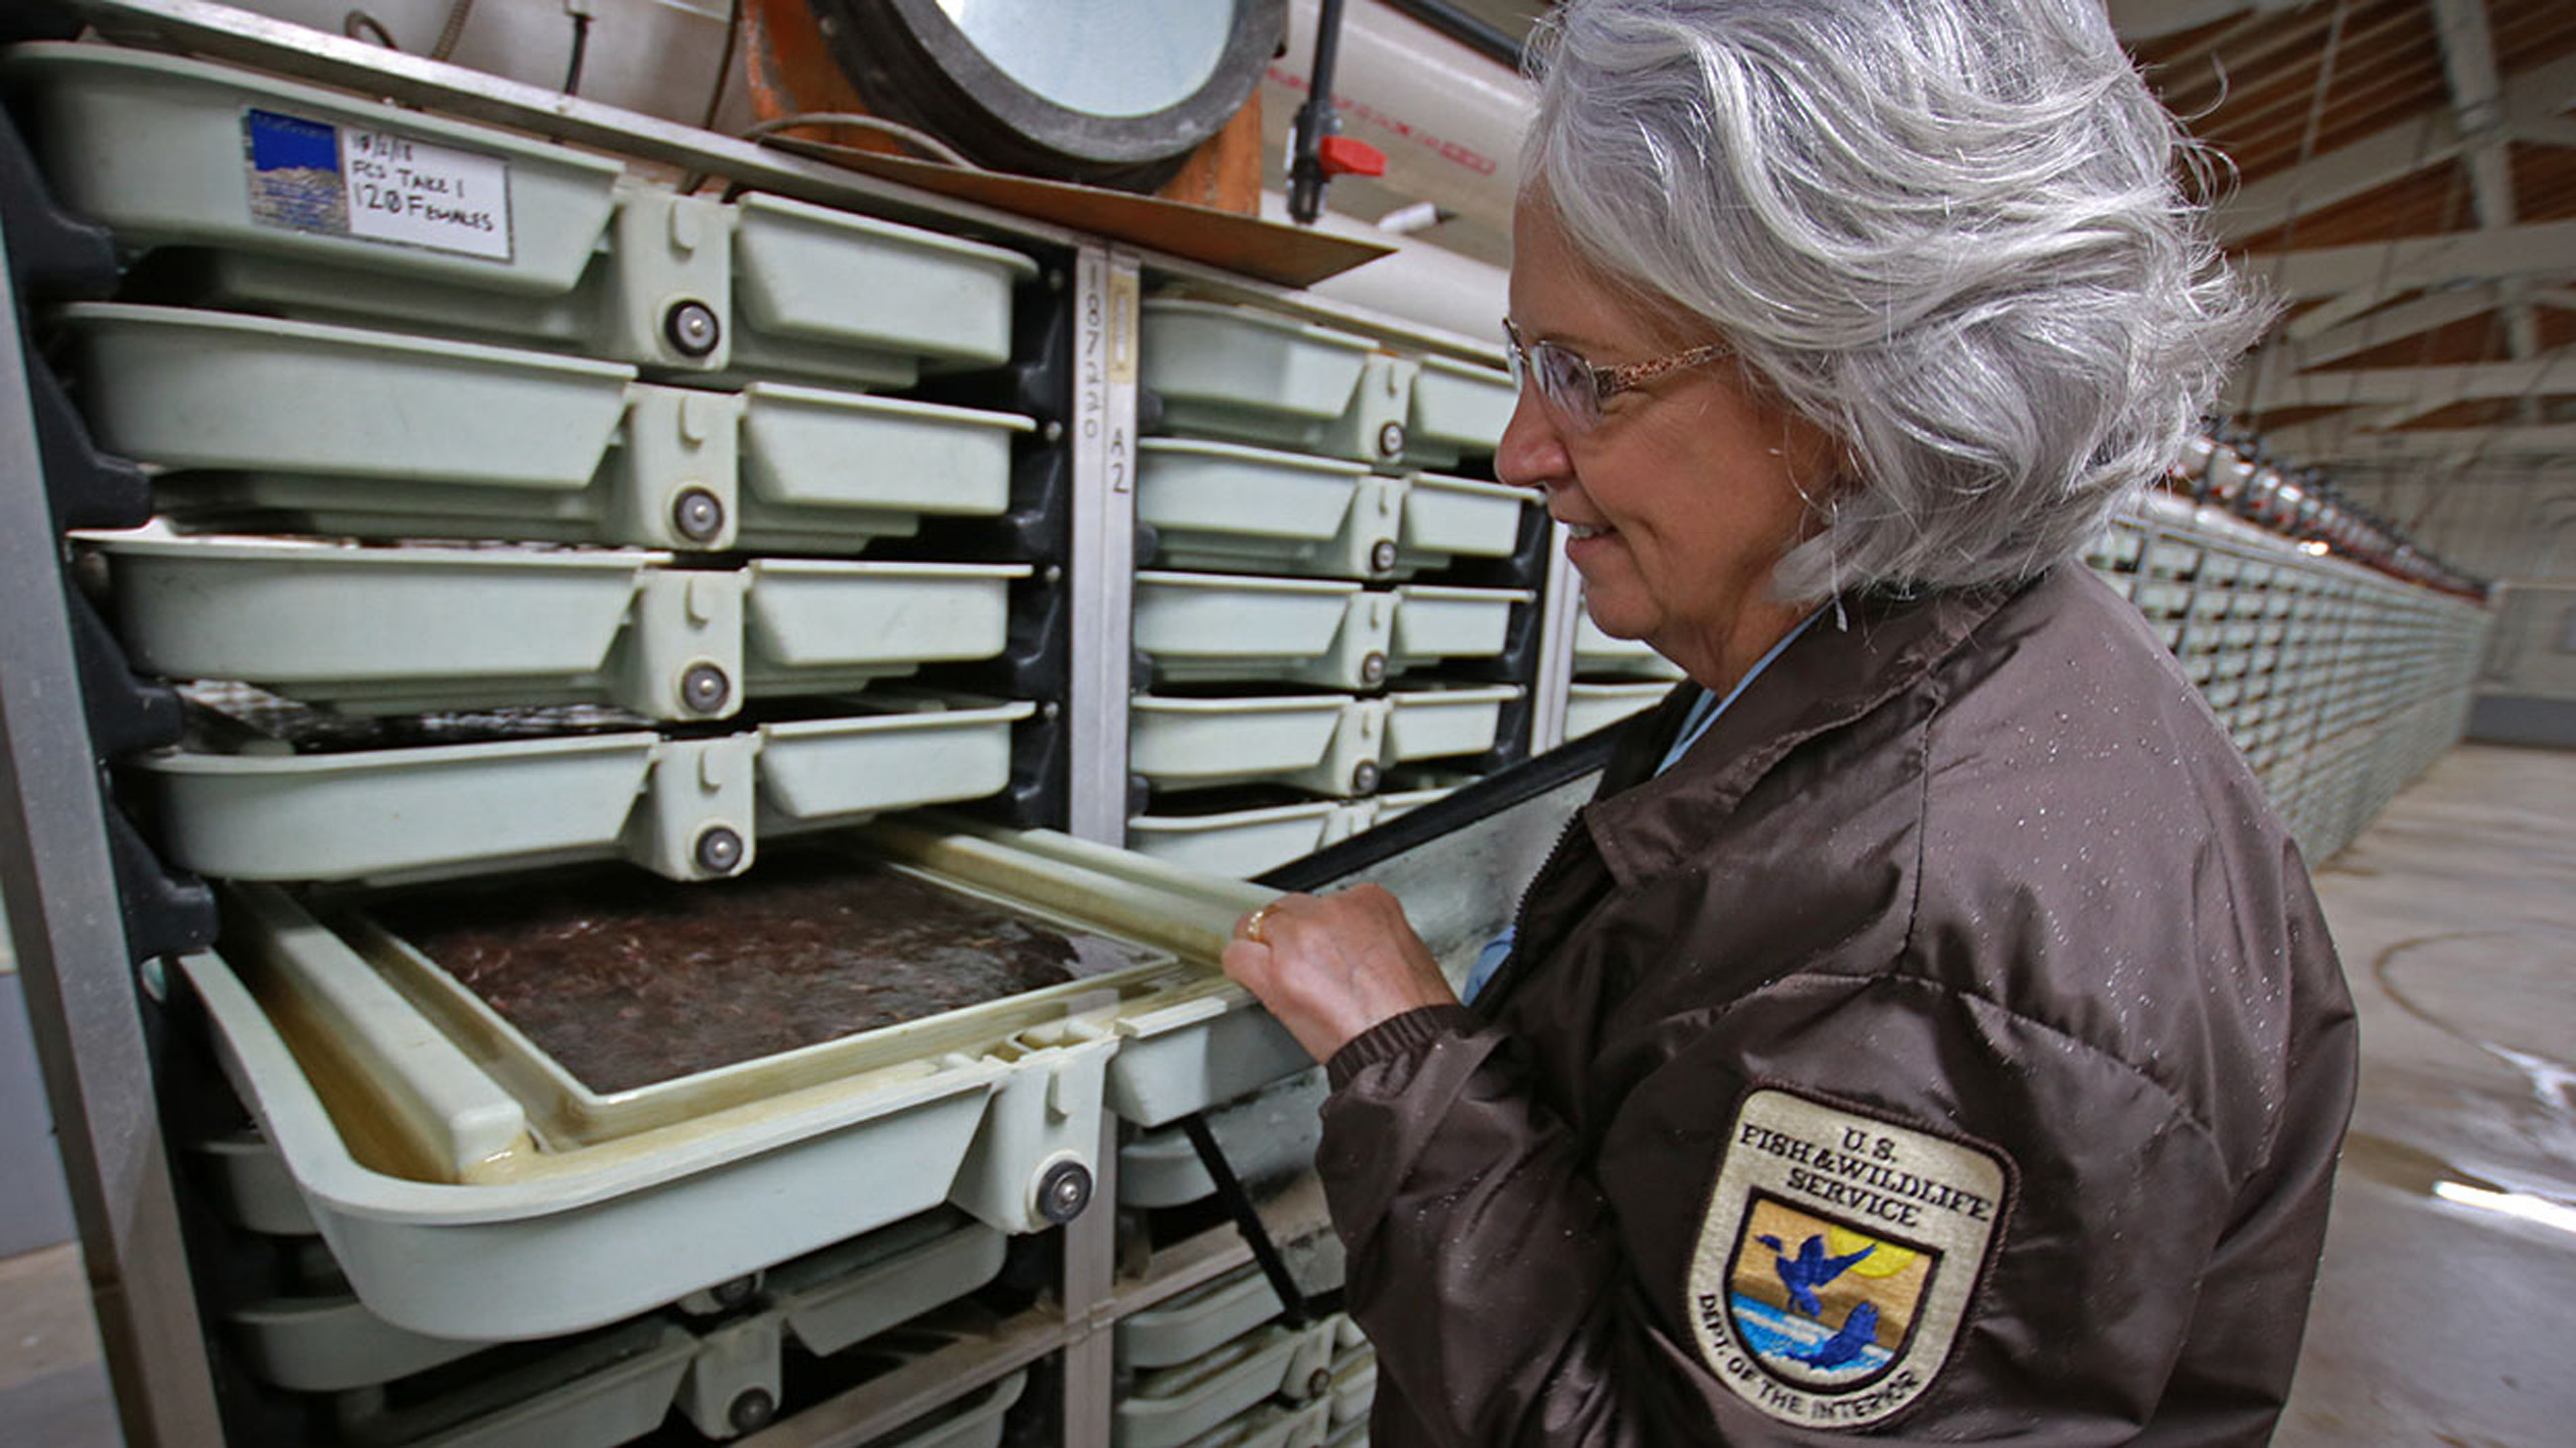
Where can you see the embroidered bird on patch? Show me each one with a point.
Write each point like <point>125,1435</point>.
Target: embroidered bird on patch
<point>1810,1269</point>
<point>1859,1332</point>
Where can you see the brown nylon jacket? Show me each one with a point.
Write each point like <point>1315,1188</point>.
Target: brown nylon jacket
<point>1977,865</point>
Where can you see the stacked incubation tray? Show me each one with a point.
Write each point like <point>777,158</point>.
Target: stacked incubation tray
<point>1339,622</point>
<point>1613,678</point>
<point>1338,614</point>
<point>1223,1361</point>
<point>553,586</point>
<point>2337,683</point>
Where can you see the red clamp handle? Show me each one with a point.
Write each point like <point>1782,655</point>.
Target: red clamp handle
<point>1349,156</point>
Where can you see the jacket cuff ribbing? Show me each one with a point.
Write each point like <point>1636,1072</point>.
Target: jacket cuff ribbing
<point>1396,1036</point>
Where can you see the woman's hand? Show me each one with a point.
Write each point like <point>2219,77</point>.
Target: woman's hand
<point>1330,967</point>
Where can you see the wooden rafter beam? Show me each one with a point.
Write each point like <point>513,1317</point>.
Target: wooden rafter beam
<point>2319,346</point>
<point>2536,97</point>
<point>2385,268</point>
<point>2420,386</point>
<point>2319,443</point>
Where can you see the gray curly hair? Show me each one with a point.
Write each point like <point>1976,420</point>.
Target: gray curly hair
<point>1950,232</point>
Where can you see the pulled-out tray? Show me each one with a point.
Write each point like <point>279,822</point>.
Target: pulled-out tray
<point>685,808</point>
<point>311,203</point>
<point>261,424</point>
<point>470,1189</point>
<point>426,629</point>
<point>1224,506</point>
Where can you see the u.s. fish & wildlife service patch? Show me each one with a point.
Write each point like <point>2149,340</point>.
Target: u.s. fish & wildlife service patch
<point>1838,1257</point>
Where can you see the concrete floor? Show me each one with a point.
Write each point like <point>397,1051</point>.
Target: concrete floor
<point>2437,1322</point>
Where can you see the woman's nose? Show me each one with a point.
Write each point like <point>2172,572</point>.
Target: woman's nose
<point>1532,453</point>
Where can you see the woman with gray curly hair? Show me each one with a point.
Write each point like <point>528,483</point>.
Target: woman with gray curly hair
<point>1928,1031</point>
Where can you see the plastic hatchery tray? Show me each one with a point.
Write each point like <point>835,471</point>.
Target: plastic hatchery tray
<point>371,434</point>
<point>975,1423</point>
<point>1270,1425</point>
<point>1231,372</point>
<point>1244,842</point>
<point>1198,1321</point>
<point>1354,1381</point>
<point>1459,411</point>
<point>1203,626</point>
<point>614,1388</point>
<point>417,629</point>
<point>822,293</point>
<point>1598,652</point>
<point>1446,519</point>
<point>181,152</point>
<point>1406,796</point>
<point>1269,1135</point>
<point>1170,1406</point>
<point>825,1302</point>
<point>1224,506</point>
<point>687,808</point>
<point>1591,707</point>
<point>1435,625</point>
<point>827,471</point>
<point>317,204</point>
<point>472,1185</point>
<point>1330,743</point>
<point>1445,721</point>
<point>1216,627</point>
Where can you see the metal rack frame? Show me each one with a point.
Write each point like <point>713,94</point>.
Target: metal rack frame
<point>60,890</point>
<point>82,998</point>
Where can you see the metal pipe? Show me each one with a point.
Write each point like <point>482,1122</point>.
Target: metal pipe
<point>1447,117</point>
<point>1483,36</point>
<point>1306,179</point>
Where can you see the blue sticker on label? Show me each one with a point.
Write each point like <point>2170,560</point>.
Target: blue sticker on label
<point>279,143</point>
<point>295,179</point>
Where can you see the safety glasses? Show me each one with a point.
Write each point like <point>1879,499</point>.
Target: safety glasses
<point>1575,389</point>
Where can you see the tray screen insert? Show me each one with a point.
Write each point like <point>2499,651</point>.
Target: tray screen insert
<point>626,981</point>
